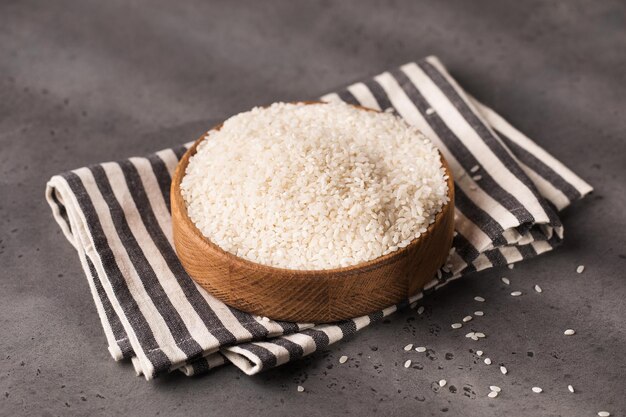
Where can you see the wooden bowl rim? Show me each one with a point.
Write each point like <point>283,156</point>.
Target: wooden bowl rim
<point>336,273</point>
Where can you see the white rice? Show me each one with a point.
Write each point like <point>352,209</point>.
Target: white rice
<point>314,186</point>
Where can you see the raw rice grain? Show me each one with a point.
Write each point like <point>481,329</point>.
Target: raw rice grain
<point>314,186</point>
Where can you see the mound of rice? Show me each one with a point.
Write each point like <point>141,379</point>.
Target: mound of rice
<point>315,186</point>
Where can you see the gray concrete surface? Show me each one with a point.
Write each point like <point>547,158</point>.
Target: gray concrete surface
<point>88,81</point>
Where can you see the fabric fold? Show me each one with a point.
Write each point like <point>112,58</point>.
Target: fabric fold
<point>117,217</point>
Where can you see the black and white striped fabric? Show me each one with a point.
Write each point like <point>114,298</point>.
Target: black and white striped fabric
<point>117,216</point>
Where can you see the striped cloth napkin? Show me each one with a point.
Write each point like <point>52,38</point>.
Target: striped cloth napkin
<point>117,216</point>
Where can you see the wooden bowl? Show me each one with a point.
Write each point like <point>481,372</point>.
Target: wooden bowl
<point>309,296</point>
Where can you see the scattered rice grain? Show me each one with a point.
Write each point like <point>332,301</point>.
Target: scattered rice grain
<point>408,347</point>
<point>300,388</point>
<point>479,353</point>
<point>504,370</point>
<point>516,293</point>
<point>343,359</point>
<point>495,388</point>
<point>420,310</point>
<point>487,361</point>
<point>536,390</point>
<point>442,383</point>
<point>538,288</point>
<point>466,319</point>
<point>479,313</point>
<point>570,388</point>
<point>474,168</point>
<point>407,363</point>
<point>456,325</point>
<point>580,269</point>
<point>569,332</point>
<point>604,413</point>
<point>420,349</point>
<point>506,280</point>
<point>479,299</point>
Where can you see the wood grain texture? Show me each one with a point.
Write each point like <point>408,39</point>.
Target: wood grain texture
<point>309,296</point>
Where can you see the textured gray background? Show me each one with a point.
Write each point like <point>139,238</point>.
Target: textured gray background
<point>88,81</point>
